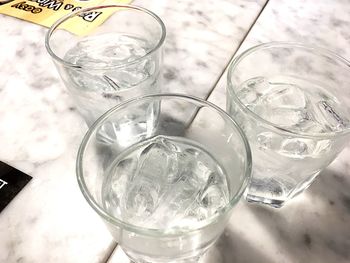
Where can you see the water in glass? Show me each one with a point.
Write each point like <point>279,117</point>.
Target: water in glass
<point>281,162</point>
<point>167,183</point>
<point>115,67</point>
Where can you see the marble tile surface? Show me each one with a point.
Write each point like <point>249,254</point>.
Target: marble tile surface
<point>40,133</point>
<point>315,226</point>
<point>40,129</point>
<point>201,37</point>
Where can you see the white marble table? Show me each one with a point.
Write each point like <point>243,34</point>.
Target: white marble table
<point>40,131</point>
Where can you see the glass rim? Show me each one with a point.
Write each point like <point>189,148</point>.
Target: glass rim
<point>87,9</point>
<point>152,231</point>
<point>283,44</point>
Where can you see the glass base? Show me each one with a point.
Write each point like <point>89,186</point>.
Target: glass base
<point>187,260</point>
<point>275,193</point>
<point>261,200</point>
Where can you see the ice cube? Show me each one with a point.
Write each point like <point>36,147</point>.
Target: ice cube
<point>332,116</point>
<point>132,75</point>
<point>158,161</point>
<point>285,95</point>
<point>175,203</point>
<point>247,96</point>
<point>285,117</point>
<point>139,201</point>
<point>285,105</point>
<point>297,147</point>
<point>157,168</point>
<point>173,185</point>
<point>259,84</point>
<point>87,81</point>
<point>107,50</point>
<point>213,198</point>
<point>267,140</point>
<point>149,184</point>
<point>117,183</point>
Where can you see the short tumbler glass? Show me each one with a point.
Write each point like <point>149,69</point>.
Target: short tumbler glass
<point>293,102</point>
<point>164,187</point>
<point>103,65</point>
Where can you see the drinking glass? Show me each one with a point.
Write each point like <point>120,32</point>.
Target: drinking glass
<point>164,187</point>
<point>293,103</point>
<point>103,62</point>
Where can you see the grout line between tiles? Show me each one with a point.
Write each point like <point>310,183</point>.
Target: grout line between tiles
<point>239,46</point>
<point>110,253</point>
<point>224,70</point>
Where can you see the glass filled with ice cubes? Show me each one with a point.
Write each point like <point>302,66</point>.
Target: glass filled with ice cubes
<point>107,54</point>
<point>293,103</point>
<point>165,181</point>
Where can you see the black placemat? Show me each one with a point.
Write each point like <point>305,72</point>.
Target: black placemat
<point>12,181</point>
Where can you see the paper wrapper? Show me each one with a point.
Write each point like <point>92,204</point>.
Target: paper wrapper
<point>46,12</point>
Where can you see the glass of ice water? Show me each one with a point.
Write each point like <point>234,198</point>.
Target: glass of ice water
<point>117,59</point>
<point>164,186</point>
<point>293,102</point>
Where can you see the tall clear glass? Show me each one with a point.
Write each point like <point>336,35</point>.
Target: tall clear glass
<point>293,102</point>
<point>117,59</point>
<point>164,187</point>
